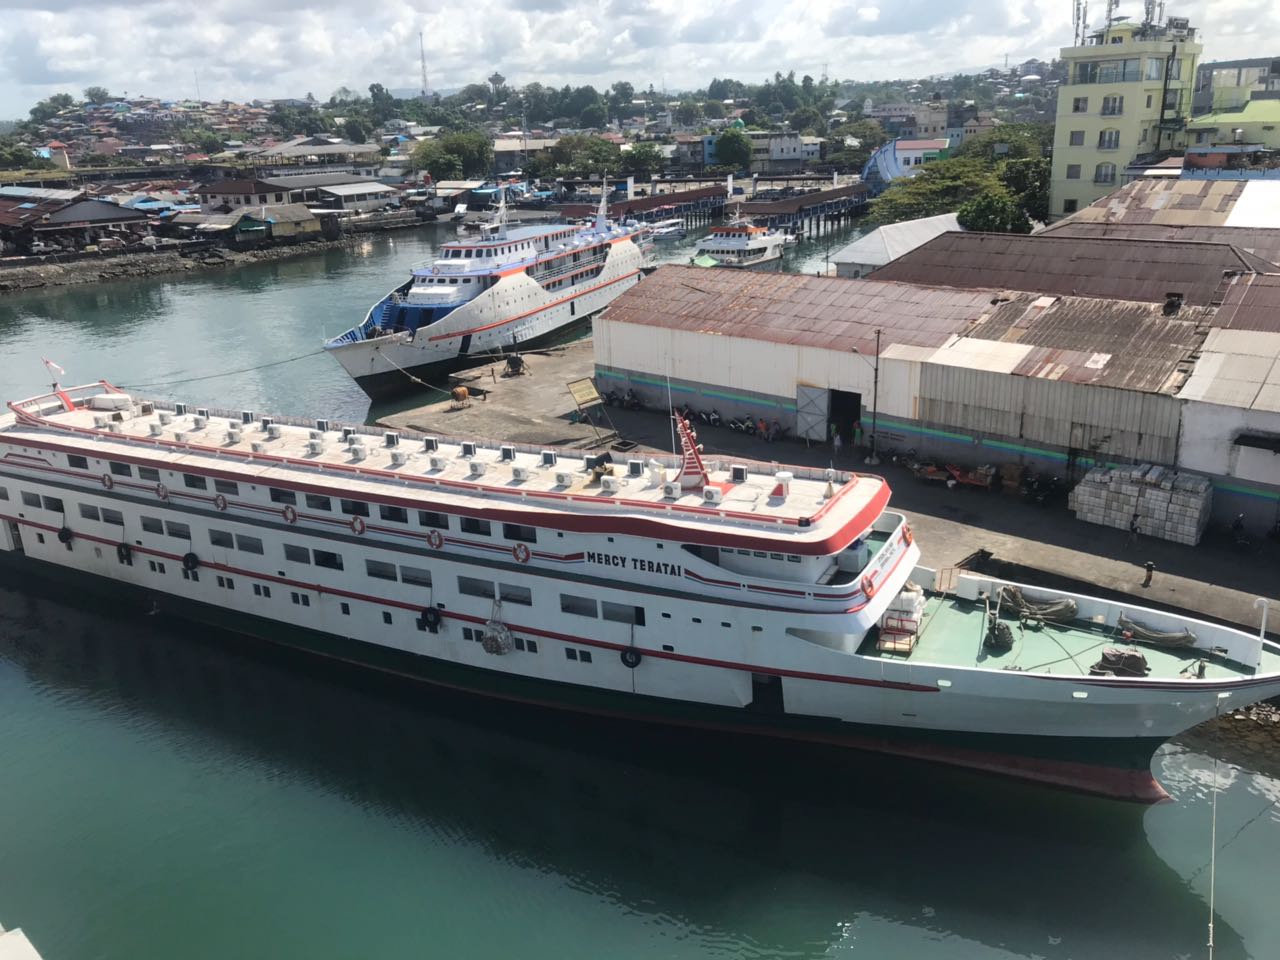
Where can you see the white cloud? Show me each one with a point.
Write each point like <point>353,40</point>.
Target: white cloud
<point>241,49</point>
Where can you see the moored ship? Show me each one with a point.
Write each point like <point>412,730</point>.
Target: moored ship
<point>741,245</point>
<point>740,597</point>
<point>509,289</point>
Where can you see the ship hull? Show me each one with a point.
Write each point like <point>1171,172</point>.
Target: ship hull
<point>1118,768</point>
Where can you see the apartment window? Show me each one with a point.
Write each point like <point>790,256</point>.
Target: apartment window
<point>1155,70</point>
<point>1069,206</point>
<point>1076,138</point>
<point>54,504</point>
<point>1109,140</point>
<point>513,594</point>
<point>518,531</point>
<point>1104,173</point>
<point>297,554</point>
<point>220,538</point>
<point>439,521</point>
<point>394,514</point>
<point>31,499</point>
<point>80,463</point>
<point>112,516</point>
<point>316,502</point>
<point>1109,71</point>
<point>582,606</point>
<point>417,576</point>
<point>152,525</point>
<point>249,544</point>
<point>622,613</point>
<point>1148,101</point>
<point>194,482</point>
<point>1080,105</point>
<point>1142,135</point>
<point>327,558</point>
<point>1112,106</point>
<point>226,486</point>
<point>283,496</point>
<point>472,525</point>
<point>122,469</point>
<point>147,473</point>
<point>89,512</point>
<point>473,587</point>
<point>4,494</point>
<point>380,569</point>
<point>179,530</point>
<point>356,508</point>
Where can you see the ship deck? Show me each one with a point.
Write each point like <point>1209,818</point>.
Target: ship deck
<point>952,630</point>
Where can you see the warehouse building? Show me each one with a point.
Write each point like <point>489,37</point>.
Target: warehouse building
<point>970,375</point>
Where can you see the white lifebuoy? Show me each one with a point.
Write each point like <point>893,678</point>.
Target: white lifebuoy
<point>435,271</point>
<point>521,552</point>
<point>108,481</point>
<point>290,514</point>
<point>357,524</point>
<point>220,502</point>
<point>435,540</point>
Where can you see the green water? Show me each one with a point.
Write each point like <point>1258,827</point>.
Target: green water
<point>167,793</point>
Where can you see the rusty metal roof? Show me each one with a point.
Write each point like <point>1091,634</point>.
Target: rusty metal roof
<point>1252,303</point>
<point>1113,268</point>
<point>1262,243</point>
<point>773,208</point>
<point>20,212</point>
<point>1177,202</point>
<point>1112,343</point>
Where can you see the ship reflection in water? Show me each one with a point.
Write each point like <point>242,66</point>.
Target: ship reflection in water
<point>292,807</point>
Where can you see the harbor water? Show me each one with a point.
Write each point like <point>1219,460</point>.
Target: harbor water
<point>168,792</point>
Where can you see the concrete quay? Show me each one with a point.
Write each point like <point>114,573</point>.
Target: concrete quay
<point>1044,545</point>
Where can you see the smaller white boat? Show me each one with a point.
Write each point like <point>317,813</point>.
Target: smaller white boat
<point>741,244</point>
<point>668,230</point>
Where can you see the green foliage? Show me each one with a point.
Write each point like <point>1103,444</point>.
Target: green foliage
<point>1027,181</point>
<point>294,122</point>
<point>382,105</point>
<point>355,130</point>
<point>1012,141</point>
<point>594,115</point>
<point>15,156</point>
<point>993,211</point>
<point>940,187</point>
<point>807,119</point>
<point>455,155</point>
<point>97,95</point>
<point>688,113</point>
<point>869,135</point>
<point>578,155</point>
<point>205,141</point>
<point>431,156</point>
<point>713,110</point>
<point>733,149</point>
<point>47,109</point>
<point>643,160</point>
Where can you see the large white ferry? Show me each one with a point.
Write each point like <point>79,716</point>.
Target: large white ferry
<point>734,596</point>
<point>512,288</point>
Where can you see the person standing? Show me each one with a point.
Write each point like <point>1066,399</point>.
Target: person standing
<point>857,434</point>
<point>1133,531</point>
<point>837,442</point>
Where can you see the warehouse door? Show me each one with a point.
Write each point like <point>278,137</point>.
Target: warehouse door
<point>811,412</point>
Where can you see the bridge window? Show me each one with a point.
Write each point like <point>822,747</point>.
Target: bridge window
<point>326,558</point>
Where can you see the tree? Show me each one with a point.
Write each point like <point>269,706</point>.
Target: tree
<point>206,141</point>
<point>343,95</point>
<point>688,113</point>
<point>993,211</point>
<point>382,105</point>
<point>1028,182</point>
<point>940,187</point>
<point>355,130</point>
<point>594,115</point>
<point>47,109</point>
<point>643,160</point>
<point>733,149</point>
<point>97,95</point>
<point>807,120</point>
<point>620,96</point>
<point>578,155</point>
<point>713,110</point>
<point>473,150</point>
<point>17,156</point>
<point>432,157</point>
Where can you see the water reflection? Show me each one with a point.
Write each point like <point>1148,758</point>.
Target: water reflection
<point>751,849</point>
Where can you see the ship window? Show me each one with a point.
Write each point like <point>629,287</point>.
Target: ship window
<point>327,558</point>
<point>511,594</point>
<point>80,463</point>
<point>356,508</point>
<point>89,511</point>
<point>417,576</point>
<point>518,531</point>
<point>220,538</point>
<point>531,646</point>
<point>54,504</point>
<point>112,516</point>
<point>283,496</point>
<point>123,470</point>
<point>176,529</point>
<point>570,653</point>
<point>472,525</point>
<point>429,519</point>
<point>145,473</point>
<point>518,642</point>
<point>380,569</point>
<point>248,544</point>
<point>226,486</point>
<point>194,482</point>
<point>317,502</point>
<point>297,554</point>
<point>4,494</point>
<point>192,575</point>
<point>396,514</point>
<point>622,613</point>
<point>582,606</point>
<point>152,525</point>
<point>345,608</point>
<point>386,616</point>
<point>792,558</point>
<point>472,587</point>
<point>584,656</point>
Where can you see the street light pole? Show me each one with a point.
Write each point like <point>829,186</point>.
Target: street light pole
<point>873,460</point>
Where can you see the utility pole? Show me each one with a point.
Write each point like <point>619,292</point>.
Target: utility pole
<point>873,460</point>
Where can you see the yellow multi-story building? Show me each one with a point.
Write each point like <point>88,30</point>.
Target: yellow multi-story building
<point>1127,94</point>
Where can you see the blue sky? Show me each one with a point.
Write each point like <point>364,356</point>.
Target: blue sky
<point>241,49</point>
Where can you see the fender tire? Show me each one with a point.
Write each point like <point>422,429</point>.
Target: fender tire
<point>631,658</point>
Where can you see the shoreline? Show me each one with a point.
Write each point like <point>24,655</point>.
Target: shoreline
<point>49,275</point>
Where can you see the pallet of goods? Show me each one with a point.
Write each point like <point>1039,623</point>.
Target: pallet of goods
<point>1169,505</point>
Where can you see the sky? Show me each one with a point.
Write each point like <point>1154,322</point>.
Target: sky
<point>242,49</point>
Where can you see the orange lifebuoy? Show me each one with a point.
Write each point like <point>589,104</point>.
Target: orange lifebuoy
<point>868,586</point>
<point>521,552</point>
<point>108,481</point>
<point>290,514</point>
<point>220,502</point>
<point>907,536</point>
<point>434,539</point>
<point>357,524</point>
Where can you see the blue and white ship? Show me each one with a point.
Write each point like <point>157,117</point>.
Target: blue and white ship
<point>510,289</point>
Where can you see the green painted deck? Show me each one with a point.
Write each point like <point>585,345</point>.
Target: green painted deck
<point>952,630</point>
